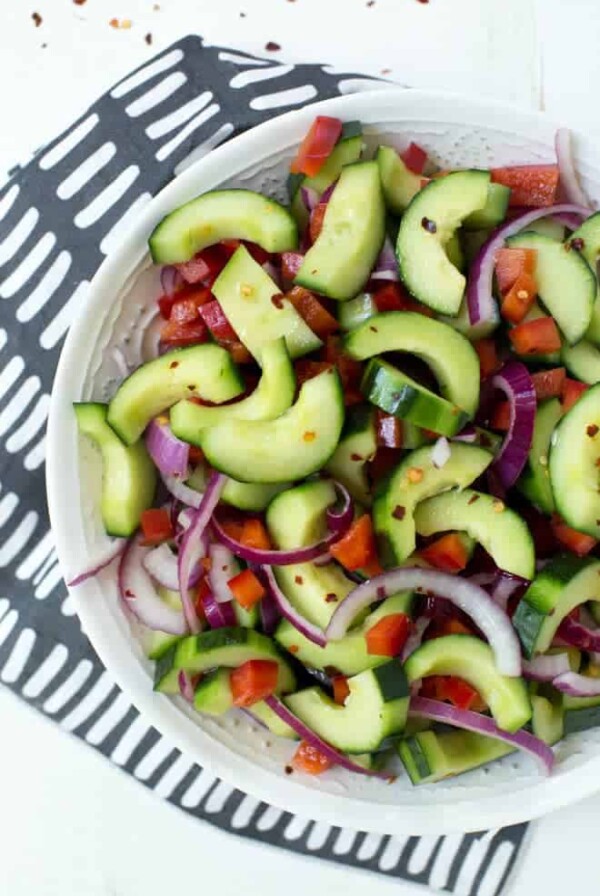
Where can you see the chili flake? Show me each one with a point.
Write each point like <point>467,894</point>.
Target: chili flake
<point>309,435</point>
<point>37,19</point>
<point>592,430</point>
<point>289,770</point>
<point>277,299</point>
<point>148,38</point>
<point>399,512</point>
<point>429,225</point>
<point>293,648</point>
<point>246,290</point>
<point>123,24</point>
<point>415,474</point>
<point>472,499</point>
<point>578,244</point>
<point>381,592</point>
<point>374,329</point>
<point>272,47</point>
<point>173,365</point>
<point>331,598</point>
<point>356,457</point>
<point>498,506</point>
<point>298,580</point>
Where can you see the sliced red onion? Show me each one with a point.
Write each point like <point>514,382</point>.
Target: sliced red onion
<point>468,597</point>
<point>218,615</point>
<point>566,166</point>
<point>440,453</point>
<point>270,269</point>
<point>506,584</point>
<point>170,280</point>
<point>339,519</point>
<point>483,578</point>
<point>193,546</point>
<point>104,559</point>
<point>270,616</point>
<point>570,220</point>
<point>516,383</point>
<point>415,638</point>
<point>186,687</point>
<point>483,311</point>
<point>306,628</point>
<point>328,193</point>
<point>260,556</point>
<point>437,711</point>
<point>578,635</point>
<point>170,455</point>
<point>307,734</point>
<point>223,567</point>
<point>468,435</point>
<point>161,563</point>
<point>188,496</point>
<point>386,266</point>
<point>139,594</point>
<point>547,667</point>
<point>310,198</point>
<point>576,685</point>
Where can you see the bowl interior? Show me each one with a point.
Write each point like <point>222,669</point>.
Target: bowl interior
<point>116,329</point>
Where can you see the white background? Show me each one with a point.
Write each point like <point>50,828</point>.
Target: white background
<point>69,822</point>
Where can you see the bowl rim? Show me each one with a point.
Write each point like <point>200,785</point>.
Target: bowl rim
<point>284,131</point>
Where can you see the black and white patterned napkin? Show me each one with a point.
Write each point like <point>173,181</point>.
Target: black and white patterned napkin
<point>59,215</point>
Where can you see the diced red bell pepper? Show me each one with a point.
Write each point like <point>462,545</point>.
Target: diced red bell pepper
<point>511,263</point>
<point>253,681</point>
<point>388,636</point>
<point>257,252</point>
<point>291,262</point>
<point>190,295</point>
<point>315,224</point>
<point>500,418</point>
<point>415,158</point>
<point>255,535</point>
<point>384,461</point>
<point>314,150</point>
<point>487,352</point>
<point>519,299</point>
<point>549,383</point>
<point>536,337</point>
<point>531,185</point>
<point>184,327</point>
<point>577,542</point>
<point>388,430</point>
<point>451,689</point>
<point>395,297</point>
<point>204,267</point>
<point>156,525</point>
<point>214,317</point>
<point>247,589</point>
<point>356,548</point>
<point>306,369</point>
<point>572,392</point>
<point>309,760</point>
<point>312,312</point>
<point>341,689</point>
<point>350,371</point>
<point>447,553</point>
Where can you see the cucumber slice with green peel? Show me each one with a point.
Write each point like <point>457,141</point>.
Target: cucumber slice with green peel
<point>206,371</point>
<point>250,495</point>
<point>357,446</point>
<point>583,361</point>
<point>128,474</point>
<point>400,185</point>
<point>455,253</point>
<point>257,311</point>
<point>263,713</point>
<point>493,212</point>
<point>471,659</point>
<point>574,470</point>
<point>296,444</point>
<point>394,506</point>
<point>213,693</point>
<point>222,215</point>
<point>349,656</point>
<point>566,283</point>
<point>222,647</point>
<point>534,482</point>
<point>548,227</point>
<point>547,719</point>
<point>354,312</point>
<point>501,531</point>
<point>396,393</point>
<point>339,263</point>
<point>450,356</point>
<point>431,756</point>
<point>314,591</point>
<point>375,710</point>
<point>564,583</point>
<point>587,240</point>
<point>273,395</point>
<point>583,719</point>
<point>427,224</point>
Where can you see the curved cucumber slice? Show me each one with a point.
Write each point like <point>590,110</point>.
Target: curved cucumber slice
<point>431,756</point>
<point>222,215</point>
<point>357,446</point>
<point>493,212</point>
<point>400,184</point>
<point>501,531</point>
<point>565,282</point>
<point>396,393</point>
<point>427,225</point>
<point>340,261</point>
<point>273,395</point>
<point>470,658</point>
<point>128,474</point>
<point>574,470</point>
<point>534,482</point>
<point>588,239</point>
<point>354,312</point>
<point>565,583</point>
<point>293,446</point>
<point>245,292</point>
<point>452,358</point>
<point>583,361</point>
<point>203,370</point>
<point>547,720</point>
<point>250,495</point>
<point>414,480</point>
<point>263,713</point>
<point>213,693</point>
<point>375,709</point>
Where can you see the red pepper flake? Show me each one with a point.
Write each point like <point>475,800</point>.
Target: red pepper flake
<point>309,436</point>
<point>331,598</point>
<point>598,462</point>
<point>374,329</point>
<point>578,244</point>
<point>129,593</point>
<point>289,770</point>
<point>78,2</point>
<point>148,39</point>
<point>37,19</point>
<point>272,47</point>
<point>356,457</point>
<point>422,1</point>
<point>277,299</point>
<point>371,3</point>
<point>472,499</point>
<point>298,580</point>
<point>192,388</point>
<point>386,71</point>
<point>121,24</point>
<point>173,365</point>
<point>293,648</point>
<point>206,563</point>
<point>592,430</point>
<point>428,225</point>
<point>399,512</point>
<point>381,593</point>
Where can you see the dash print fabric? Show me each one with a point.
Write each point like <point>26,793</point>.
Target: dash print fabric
<point>60,214</point>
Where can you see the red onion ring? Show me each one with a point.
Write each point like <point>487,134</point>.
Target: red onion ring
<point>182,492</point>
<point>218,615</point>
<point>306,628</point>
<point>161,563</point>
<point>578,635</point>
<point>170,280</point>
<point>114,550</point>
<point>171,456</point>
<point>576,685</point>
<point>547,667</point>
<point>516,383</point>
<point>139,595</point>
<point>186,687</point>
<point>223,567</point>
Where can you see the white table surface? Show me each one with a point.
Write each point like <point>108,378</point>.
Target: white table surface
<point>69,822</point>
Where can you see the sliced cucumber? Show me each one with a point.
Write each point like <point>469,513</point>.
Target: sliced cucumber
<point>574,470</point>
<point>583,361</point>
<point>375,710</point>
<point>454,251</point>
<point>400,185</point>
<point>128,474</point>
<point>548,227</point>
<point>580,713</point>
<point>245,292</point>
<point>293,446</point>
<point>501,531</point>
<point>350,655</point>
<point>394,507</point>
<point>357,446</point>
<point>353,313</point>
<point>213,693</point>
<point>273,395</point>
<point>587,238</point>
<point>493,212</point>
<point>565,282</point>
<point>154,643</point>
<point>431,756</point>
<point>206,371</point>
<point>263,713</point>
<point>471,659</point>
<point>451,357</point>
<point>534,482</point>
<point>548,719</point>
<point>396,393</point>
<point>340,261</point>
<point>565,583</point>
<point>222,215</point>
<point>250,495</point>
<point>428,223</point>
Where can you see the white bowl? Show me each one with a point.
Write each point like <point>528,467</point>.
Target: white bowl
<point>456,132</point>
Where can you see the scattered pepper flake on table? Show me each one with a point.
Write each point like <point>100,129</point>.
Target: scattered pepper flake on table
<point>121,24</point>
<point>148,38</point>
<point>37,19</point>
<point>272,47</point>
<point>79,2</point>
